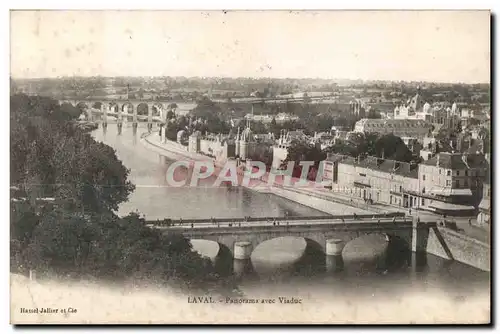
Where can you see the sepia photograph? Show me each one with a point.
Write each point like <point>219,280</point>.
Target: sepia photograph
<point>250,167</point>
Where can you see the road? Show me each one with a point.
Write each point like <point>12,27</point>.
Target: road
<point>282,222</point>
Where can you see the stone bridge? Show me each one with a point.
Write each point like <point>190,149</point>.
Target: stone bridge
<point>135,110</point>
<point>327,234</point>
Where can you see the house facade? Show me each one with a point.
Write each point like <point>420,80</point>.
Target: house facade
<point>447,184</point>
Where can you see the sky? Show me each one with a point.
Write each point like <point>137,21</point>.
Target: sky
<point>437,46</point>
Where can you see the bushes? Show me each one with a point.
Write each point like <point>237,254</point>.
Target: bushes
<point>105,247</point>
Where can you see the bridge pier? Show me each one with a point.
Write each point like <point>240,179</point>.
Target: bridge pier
<point>164,134</point>
<point>160,131</point>
<point>242,250</point>
<point>104,116</point>
<point>333,250</point>
<point>242,263</point>
<point>134,116</point>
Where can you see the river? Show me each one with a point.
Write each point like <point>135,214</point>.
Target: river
<point>156,200</point>
<point>431,277</point>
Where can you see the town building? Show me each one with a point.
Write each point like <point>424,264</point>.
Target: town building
<point>414,128</point>
<point>217,146</point>
<point>447,184</point>
<point>484,216</point>
<point>323,139</point>
<point>452,181</point>
<point>375,180</point>
<point>439,114</point>
<point>284,117</point>
<point>280,149</point>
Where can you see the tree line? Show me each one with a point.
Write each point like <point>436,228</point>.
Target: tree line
<point>65,190</point>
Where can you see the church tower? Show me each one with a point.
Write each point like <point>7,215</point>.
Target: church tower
<point>237,142</point>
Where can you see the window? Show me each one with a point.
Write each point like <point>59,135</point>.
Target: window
<point>466,183</point>
<point>448,183</point>
<point>423,201</point>
<point>440,170</point>
<point>448,173</point>
<point>458,172</point>
<point>466,173</point>
<point>400,189</point>
<point>423,190</point>
<point>423,177</point>
<point>457,184</point>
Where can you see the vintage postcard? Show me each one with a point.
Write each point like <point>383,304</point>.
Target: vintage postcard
<point>250,167</point>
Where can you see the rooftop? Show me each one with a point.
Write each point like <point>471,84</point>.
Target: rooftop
<point>395,122</point>
<point>457,161</point>
<point>382,165</point>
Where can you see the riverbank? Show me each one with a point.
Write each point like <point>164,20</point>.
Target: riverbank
<point>307,197</point>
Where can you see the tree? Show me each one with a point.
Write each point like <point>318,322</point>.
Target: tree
<point>372,144</point>
<point>373,114</point>
<point>53,158</point>
<point>170,115</point>
<point>473,122</point>
<point>301,151</point>
<point>171,131</point>
<point>392,147</point>
<point>79,233</point>
<point>140,93</point>
<point>259,127</point>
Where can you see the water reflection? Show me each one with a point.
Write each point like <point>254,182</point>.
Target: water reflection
<point>430,274</point>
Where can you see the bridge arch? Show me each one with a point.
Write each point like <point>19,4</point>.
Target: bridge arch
<point>224,260</point>
<point>128,108</point>
<point>113,107</point>
<point>313,259</point>
<point>142,109</point>
<point>399,251</point>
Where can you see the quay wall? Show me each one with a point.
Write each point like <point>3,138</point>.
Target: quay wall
<point>315,202</point>
<point>452,245</point>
